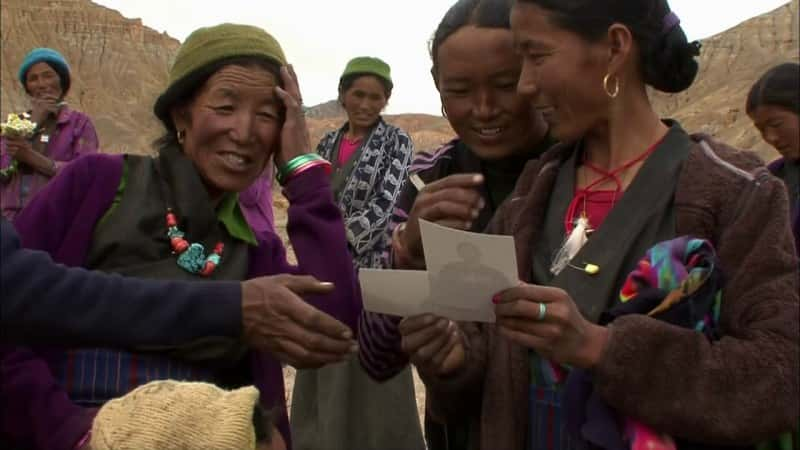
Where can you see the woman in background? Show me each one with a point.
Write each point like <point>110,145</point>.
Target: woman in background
<point>339,407</point>
<point>62,134</point>
<point>774,106</point>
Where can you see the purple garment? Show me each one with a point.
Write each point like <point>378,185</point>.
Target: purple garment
<point>61,222</point>
<point>74,136</point>
<point>775,167</point>
<point>256,203</point>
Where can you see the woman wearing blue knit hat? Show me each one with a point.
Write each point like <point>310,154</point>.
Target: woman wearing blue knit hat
<point>62,134</point>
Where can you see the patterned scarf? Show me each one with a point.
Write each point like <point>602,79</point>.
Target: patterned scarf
<point>677,282</point>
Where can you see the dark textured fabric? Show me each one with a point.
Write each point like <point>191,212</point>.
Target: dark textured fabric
<point>789,172</point>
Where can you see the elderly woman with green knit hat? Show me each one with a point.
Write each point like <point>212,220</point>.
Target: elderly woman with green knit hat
<point>340,407</point>
<point>232,105</point>
<point>27,163</point>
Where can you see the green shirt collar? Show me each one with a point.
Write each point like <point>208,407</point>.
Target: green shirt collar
<point>230,214</point>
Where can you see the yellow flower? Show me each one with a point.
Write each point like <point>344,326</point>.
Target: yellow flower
<point>17,125</point>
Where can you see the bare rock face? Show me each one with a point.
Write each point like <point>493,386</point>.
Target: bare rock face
<point>118,65</point>
<point>730,63</point>
<point>328,110</point>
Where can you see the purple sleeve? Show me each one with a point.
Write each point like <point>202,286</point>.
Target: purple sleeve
<point>85,141</point>
<point>43,416</point>
<point>316,231</point>
<point>52,303</point>
<point>5,158</point>
<point>256,203</point>
<point>60,219</point>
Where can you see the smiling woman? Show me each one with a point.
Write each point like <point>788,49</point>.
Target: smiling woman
<point>232,105</point>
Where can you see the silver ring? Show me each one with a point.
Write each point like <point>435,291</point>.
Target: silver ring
<point>542,311</point>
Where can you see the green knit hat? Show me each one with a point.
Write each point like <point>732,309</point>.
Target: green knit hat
<point>367,65</point>
<point>207,46</point>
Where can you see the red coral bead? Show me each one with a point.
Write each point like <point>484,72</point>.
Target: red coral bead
<point>219,248</point>
<point>179,245</point>
<point>208,268</point>
<point>171,220</point>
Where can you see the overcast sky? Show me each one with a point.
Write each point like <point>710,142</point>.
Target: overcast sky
<point>320,36</point>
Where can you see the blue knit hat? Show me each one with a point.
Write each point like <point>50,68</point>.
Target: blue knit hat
<point>53,59</point>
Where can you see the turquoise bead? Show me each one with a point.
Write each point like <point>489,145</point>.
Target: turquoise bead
<point>193,259</point>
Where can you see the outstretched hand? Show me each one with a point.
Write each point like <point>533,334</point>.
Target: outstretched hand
<point>276,319</point>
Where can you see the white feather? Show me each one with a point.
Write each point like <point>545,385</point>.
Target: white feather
<point>572,245</point>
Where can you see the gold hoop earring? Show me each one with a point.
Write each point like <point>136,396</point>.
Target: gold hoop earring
<point>611,94</point>
<point>181,135</point>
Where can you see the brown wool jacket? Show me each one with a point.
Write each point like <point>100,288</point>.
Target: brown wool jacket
<point>739,390</point>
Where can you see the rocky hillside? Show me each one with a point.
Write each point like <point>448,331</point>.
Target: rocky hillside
<point>428,132</point>
<point>120,66</point>
<point>730,63</point>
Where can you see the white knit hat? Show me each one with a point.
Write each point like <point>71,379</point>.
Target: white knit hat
<point>171,415</point>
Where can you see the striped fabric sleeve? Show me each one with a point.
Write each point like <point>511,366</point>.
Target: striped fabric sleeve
<point>423,164</point>
<point>378,334</point>
<point>379,345</point>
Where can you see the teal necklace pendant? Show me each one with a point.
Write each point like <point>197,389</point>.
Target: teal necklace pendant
<point>191,256</point>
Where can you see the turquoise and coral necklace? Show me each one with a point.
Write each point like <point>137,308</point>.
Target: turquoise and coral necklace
<point>191,255</point>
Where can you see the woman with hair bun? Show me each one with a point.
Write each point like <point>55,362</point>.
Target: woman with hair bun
<point>623,184</point>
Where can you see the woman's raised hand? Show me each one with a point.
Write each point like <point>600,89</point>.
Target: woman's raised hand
<point>295,140</point>
<point>453,201</point>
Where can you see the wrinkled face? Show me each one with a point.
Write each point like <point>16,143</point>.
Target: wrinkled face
<point>780,128</point>
<point>477,74</point>
<point>232,127</point>
<point>562,74</point>
<point>364,101</point>
<point>42,81</point>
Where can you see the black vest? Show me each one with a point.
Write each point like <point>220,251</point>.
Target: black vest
<point>132,240</point>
